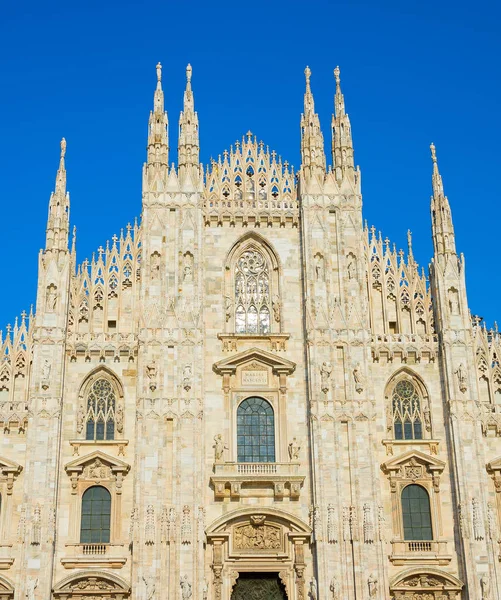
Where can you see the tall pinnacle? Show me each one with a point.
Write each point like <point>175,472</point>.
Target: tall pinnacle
<point>342,144</point>
<point>312,140</point>
<point>59,209</point>
<point>442,228</point>
<point>188,144</point>
<point>158,142</point>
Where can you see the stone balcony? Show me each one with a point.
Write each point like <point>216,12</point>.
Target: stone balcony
<point>111,556</point>
<point>234,480</point>
<point>434,552</point>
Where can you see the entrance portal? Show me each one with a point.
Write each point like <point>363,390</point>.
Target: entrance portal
<point>258,586</point>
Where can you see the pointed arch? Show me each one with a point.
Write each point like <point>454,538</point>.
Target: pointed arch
<point>407,406</point>
<point>101,405</point>
<point>252,287</point>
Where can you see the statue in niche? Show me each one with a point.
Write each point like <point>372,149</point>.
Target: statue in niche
<point>313,589</point>
<point>358,378</point>
<point>325,373</point>
<point>149,584</point>
<point>151,373</point>
<point>51,298</point>
<point>185,588</point>
<point>485,587</point>
<point>319,267</point>
<point>188,267</point>
<point>155,265</point>
<point>334,588</point>
<point>46,369</point>
<point>31,586</point>
<point>205,590</point>
<point>453,302</point>
<point>351,270</point>
<point>80,418</point>
<point>277,306</point>
<point>219,448</point>
<point>461,377</point>
<point>228,307</point>
<point>187,377</point>
<point>372,585</point>
<point>294,449</point>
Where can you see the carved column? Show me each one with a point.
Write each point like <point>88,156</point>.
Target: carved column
<point>217,566</point>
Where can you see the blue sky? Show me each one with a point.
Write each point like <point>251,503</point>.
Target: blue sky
<point>412,73</point>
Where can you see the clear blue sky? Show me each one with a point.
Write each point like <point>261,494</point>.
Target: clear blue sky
<point>412,73</point>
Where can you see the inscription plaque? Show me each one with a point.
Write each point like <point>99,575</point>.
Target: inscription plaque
<point>254,378</point>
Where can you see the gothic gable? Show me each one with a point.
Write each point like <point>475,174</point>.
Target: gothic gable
<point>278,364</point>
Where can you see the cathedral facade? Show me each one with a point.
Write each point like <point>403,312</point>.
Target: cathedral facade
<point>250,394</point>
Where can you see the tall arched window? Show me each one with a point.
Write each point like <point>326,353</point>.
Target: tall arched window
<point>255,431</point>
<point>416,513</point>
<point>96,516</point>
<point>252,293</point>
<point>100,418</point>
<point>407,412</point>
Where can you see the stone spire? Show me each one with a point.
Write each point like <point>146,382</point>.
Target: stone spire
<point>188,145</point>
<point>342,145</point>
<point>158,140</point>
<point>442,228</point>
<point>312,140</point>
<point>59,210</point>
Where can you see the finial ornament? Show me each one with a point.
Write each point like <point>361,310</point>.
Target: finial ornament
<point>409,239</point>
<point>188,73</point>
<point>159,72</point>
<point>307,73</point>
<point>336,75</point>
<point>433,152</point>
<point>63,147</point>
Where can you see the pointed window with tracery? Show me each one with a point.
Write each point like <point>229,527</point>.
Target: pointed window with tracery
<point>252,293</point>
<point>407,412</point>
<point>101,406</point>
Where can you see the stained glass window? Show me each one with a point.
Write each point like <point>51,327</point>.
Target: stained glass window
<point>100,420</point>
<point>255,431</point>
<point>252,294</point>
<point>407,417</point>
<point>416,513</point>
<point>96,516</point>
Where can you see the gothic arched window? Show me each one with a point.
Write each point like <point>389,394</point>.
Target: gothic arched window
<point>255,431</point>
<point>407,412</point>
<point>416,514</point>
<point>252,293</point>
<point>101,406</point>
<point>96,516</point>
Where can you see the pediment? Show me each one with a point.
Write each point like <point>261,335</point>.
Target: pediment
<point>89,583</point>
<point>95,460</point>
<point>431,463</point>
<point>425,579</point>
<point>9,466</point>
<point>492,466</point>
<point>278,364</point>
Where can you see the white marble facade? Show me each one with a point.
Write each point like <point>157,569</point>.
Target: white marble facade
<point>248,288</point>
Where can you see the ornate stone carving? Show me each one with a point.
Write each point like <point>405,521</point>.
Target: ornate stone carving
<point>485,587</point>
<point>478,524</point>
<point>46,369</point>
<point>151,374</point>
<point>186,525</point>
<point>149,526</point>
<point>331,524</point>
<point>313,591</point>
<point>201,524</point>
<point>80,418</point>
<point>97,470</point>
<point>463,520</point>
<point>413,470</point>
<point>334,588</point>
<point>368,524</point>
<point>381,523</point>
<point>257,537</point>
<point>36,526</point>
<point>51,298</point>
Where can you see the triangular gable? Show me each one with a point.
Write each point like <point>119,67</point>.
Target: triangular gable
<point>432,463</point>
<point>115,464</point>
<point>278,364</point>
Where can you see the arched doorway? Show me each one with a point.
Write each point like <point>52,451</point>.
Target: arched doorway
<point>259,555</point>
<point>258,586</point>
